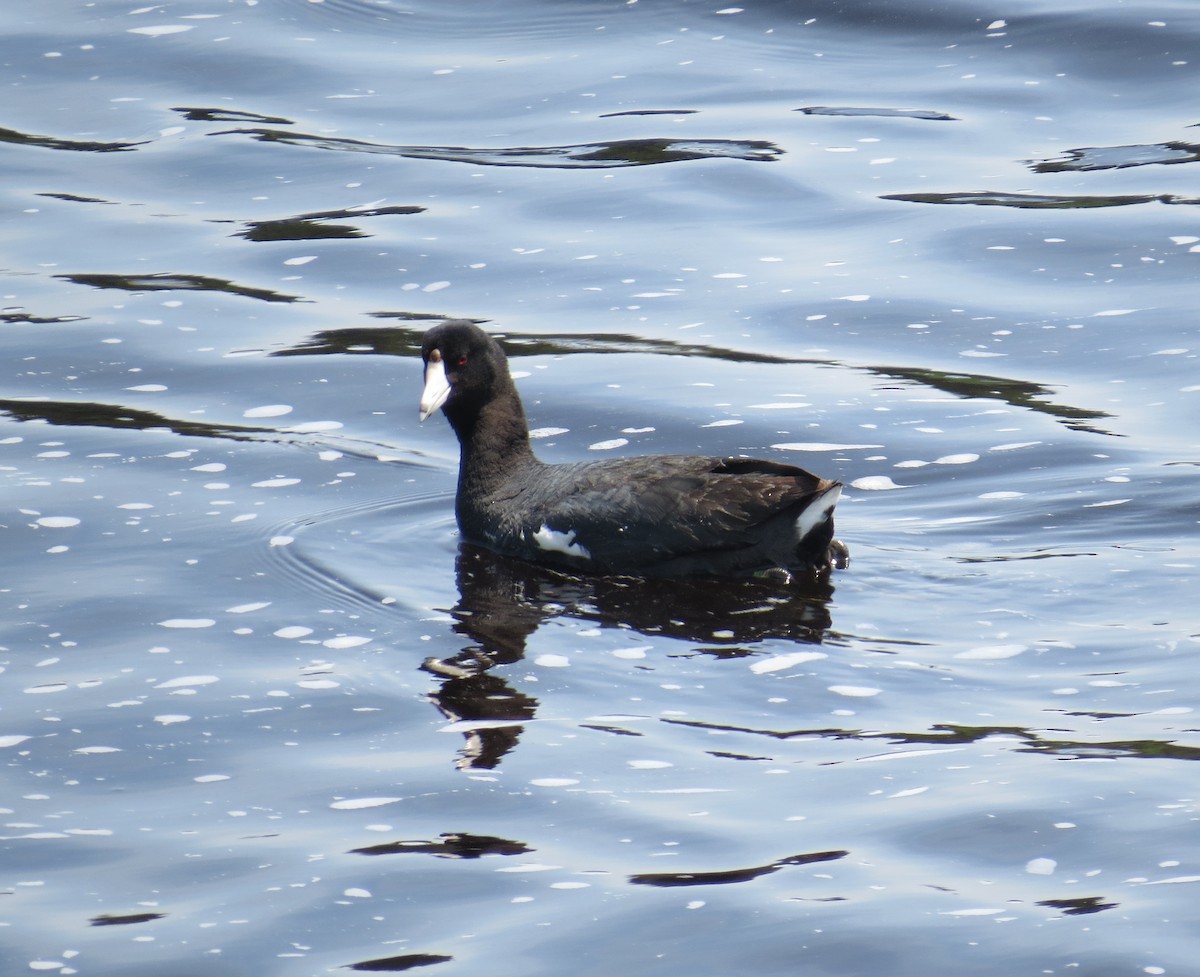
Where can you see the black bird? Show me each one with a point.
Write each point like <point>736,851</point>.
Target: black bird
<point>653,515</point>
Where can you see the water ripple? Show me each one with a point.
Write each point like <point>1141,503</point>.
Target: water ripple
<point>621,152</point>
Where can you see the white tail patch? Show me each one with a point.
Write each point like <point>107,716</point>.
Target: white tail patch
<point>553,541</point>
<point>817,511</point>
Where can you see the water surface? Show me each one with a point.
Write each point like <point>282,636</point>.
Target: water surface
<point>261,713</point>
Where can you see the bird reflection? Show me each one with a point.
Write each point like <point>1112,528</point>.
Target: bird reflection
<point>503,601</point>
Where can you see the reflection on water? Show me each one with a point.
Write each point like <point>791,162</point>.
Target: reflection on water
<point>76,145</point>
<point>81,413</point>
<point>394,341</point>
<point>1083,906</point>
<point>29,317</point>
<point>449,845</point>
<point>945,733</point>
<point>1034,201</point>
<point>124,919</point>
<point>927,114</point>
<point>313,227</point>
<point>228,115</point>
<point>621,152</point>
<point>503,601</point>
<point>165,282</point>
<point>998,735</point>
<point>1017,393</point>
<point>729,876</point>
<point>406,961</point>
<point>1118,157</point>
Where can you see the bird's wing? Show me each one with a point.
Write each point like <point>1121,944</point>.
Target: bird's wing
<point>645,514</point>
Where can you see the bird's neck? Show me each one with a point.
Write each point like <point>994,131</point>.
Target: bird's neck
<point>494,442</point>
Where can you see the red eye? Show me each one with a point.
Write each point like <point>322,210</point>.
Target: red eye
<point>462,361</point>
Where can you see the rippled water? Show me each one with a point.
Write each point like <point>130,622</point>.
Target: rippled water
<point>260,715</point>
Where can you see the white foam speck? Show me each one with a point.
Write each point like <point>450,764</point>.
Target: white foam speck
<point>58,522</point>
<point>1103,505</point>
<point>854,691</point>
<point>554,782</point>
<point>963,459</point>
<point>552,661</point>
<point>246,608</point>
<point>907,754</point>
<point>211,778</point>
<point>875,483</point>
<point>357,893</point>
<point>293,631</point>
<point>360,803</point>
<point>160,30</point>
<point>608,445</point>
<point>97,749</point>
<point>725,423</point>
<point>344,641</point>
<point>148,388</point>
<point>282,540</point>
<point>910,792</point>
<point>212,466</point>
<point>315,427</point>
<point>14,740</point>
<point>820,446</point>
<point>1012,446</point>
<point>1175,880</point>
<point>169,719</point>
<point>782,405</point>
<point>301,260</point>
<point>530,867</point>
<point>990,652</point>
<point>268,410</point>
<point>135,505</point>
<point>648,764</point>
<point>992,496</point>
<point>187,681</point>
<point>777,663</point>
<point>275,483</point>
<point>318,684</point>
<point>1112,312</point>
<point>187,622</point>
<point>852,298</point>
<point>632,654</point>
<point>548,432</point>
<point>435,286</point>
<point>1041,866</point>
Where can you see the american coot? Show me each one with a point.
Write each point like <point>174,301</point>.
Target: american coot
<point>653,515</point>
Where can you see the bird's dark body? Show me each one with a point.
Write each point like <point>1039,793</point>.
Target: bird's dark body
<point>650,515</point>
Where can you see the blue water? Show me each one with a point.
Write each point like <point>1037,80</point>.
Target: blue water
<point>259,714</point>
